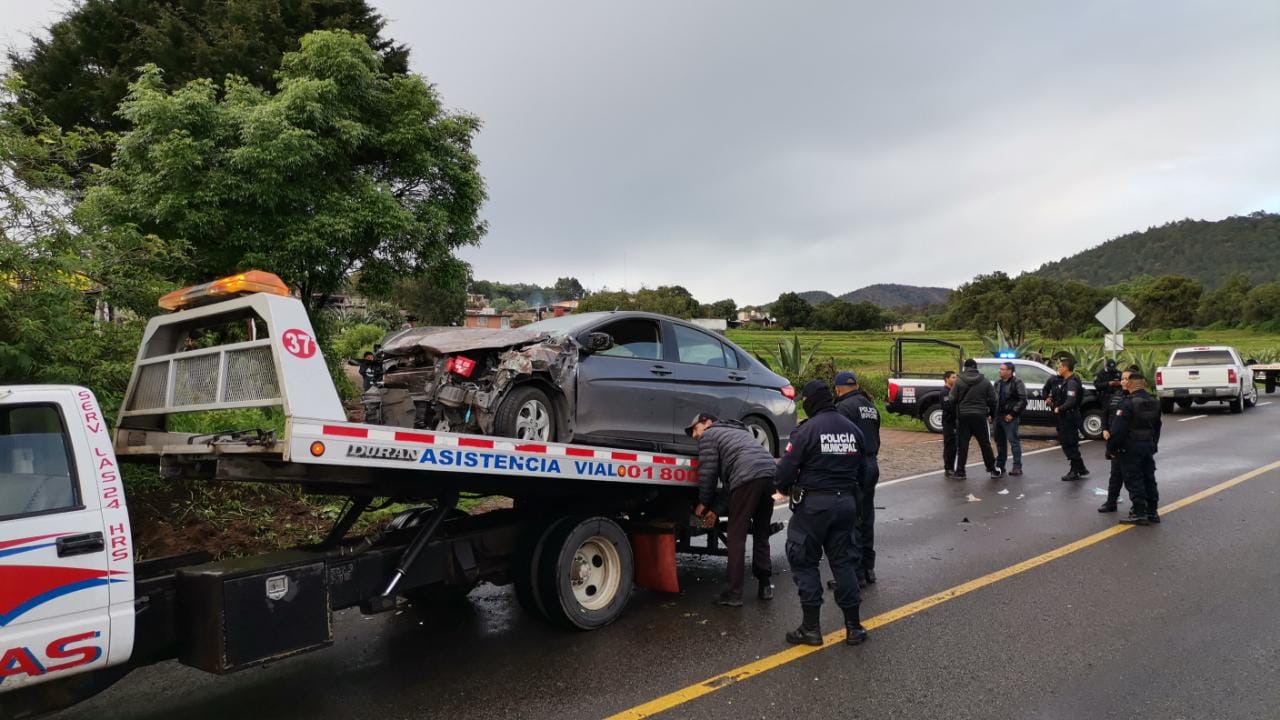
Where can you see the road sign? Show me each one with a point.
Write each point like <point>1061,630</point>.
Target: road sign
<point>1113,342</point>
<point>1114,316</point>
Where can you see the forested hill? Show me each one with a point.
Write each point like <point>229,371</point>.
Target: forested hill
<point>888,295</point>
<point>1210,251</point>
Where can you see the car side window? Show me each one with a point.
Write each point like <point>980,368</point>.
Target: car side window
<point>731,358</point>
<point>638,338</point>
<point>36,472</point>
<point>698,348</point>
<point>1032,375</point>
<point>990,371</point>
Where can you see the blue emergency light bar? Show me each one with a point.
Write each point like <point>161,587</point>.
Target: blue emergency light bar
<point>1009,354</point>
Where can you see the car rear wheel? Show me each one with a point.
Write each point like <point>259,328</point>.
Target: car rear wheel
<point>763,434</point>
<point>1093,424</point>
<point>1167,405</point>
<point>526,414</point>
<point>1184,404</point>
<point>1237,405</point>
<point>932,417</point>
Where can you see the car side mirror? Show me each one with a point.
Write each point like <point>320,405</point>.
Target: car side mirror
<point>598,342</point>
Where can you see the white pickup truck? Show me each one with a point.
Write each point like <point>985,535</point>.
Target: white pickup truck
<point>1198,375</point>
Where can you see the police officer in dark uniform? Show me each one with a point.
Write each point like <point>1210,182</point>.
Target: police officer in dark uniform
<point>820,470</point>
<point>1113,400</point>
<point>1135,438</point>
<point>1067,397</point>
<point>949,421</point>
<point>1107,382</point>
<point>854,403</point>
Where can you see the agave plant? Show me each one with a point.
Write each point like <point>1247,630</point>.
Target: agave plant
<point>790,361</point>
<point>1089,359</point>
<point>1263,355</point>
<point>1002,343</point>
<point>1146,360</point>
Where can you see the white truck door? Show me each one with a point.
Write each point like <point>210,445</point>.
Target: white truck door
<point>56,573</point>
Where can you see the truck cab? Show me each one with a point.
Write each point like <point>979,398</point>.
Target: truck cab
<point>66,555</point>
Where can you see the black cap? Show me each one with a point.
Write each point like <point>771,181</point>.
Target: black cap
<point>846,378</point>
<point>698,420</point>
<point>971,363</point>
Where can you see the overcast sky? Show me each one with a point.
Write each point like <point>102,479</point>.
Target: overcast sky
<point>743,149</point>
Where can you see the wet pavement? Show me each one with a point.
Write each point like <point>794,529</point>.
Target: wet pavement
<point>1174,621</point>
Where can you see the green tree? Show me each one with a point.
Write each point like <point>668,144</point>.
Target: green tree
<point>1262,306</point>
<point>568,288</point>
<point>345,168</point>
<point>844,316</point>
<point>671,300</point>
<point>436,296</point>
<point>791,311</point>
<point>1226,304</point>
<point>721,310</point>
<point>80,72</point>
<point>1168,302</point>
<point>984,302</point>
<point>607,301</point>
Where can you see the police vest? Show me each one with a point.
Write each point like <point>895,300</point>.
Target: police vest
<point>1146,413</point>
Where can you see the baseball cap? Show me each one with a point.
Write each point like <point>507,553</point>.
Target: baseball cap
<point>697,420</point>
<point>846,378</point>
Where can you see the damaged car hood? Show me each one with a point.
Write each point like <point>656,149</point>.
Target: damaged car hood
<point>449,340</point>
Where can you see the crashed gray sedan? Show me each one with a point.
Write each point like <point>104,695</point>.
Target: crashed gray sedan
<point>625,379</point>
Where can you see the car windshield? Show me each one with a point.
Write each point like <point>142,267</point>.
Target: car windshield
<point>562,325</point>
<point>1201,357</point>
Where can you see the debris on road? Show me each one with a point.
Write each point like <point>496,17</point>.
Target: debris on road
<point>1003,492</point>
<point>973,498</point>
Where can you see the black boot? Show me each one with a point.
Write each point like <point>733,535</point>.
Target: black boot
<point>808,632</point>
<point>766,590</point>
<point>854,633</point>
<point>1153,517</point>
<point>1108,506</point>
<point>870,576</point>
<point>1071,476</point>
<point>1135,518</point>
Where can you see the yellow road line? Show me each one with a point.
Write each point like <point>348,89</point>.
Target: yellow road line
<point>763,665</point>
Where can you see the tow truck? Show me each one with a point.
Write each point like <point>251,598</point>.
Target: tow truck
<point>79,610</point>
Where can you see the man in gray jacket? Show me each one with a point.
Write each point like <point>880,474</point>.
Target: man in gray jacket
<point>729,454</point>
<point>975,401</point>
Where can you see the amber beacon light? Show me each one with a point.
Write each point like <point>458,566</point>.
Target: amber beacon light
<point>245,283</point>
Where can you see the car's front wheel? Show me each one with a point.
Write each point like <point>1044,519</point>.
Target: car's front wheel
<point>1092,423</point>
<point>933,418</point>
<point>526,414</point>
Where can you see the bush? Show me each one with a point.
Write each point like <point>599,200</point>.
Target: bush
<point>1182,334</point>
<point>1156,336</point>
<point>354,341</point>
<point>1094,332</point>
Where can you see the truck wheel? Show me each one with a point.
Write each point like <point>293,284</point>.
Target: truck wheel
<point>1092,423</point>
<point>932,417</point>
<point>1250,401</point>
<point>763,434</point>
<point>1271,383</point>
<point>526,414</point>
<point>1183,404</point>
<point>525,563</point>
<point>1237,405</point>
<point>586,573</point>
<point>1166,406</point>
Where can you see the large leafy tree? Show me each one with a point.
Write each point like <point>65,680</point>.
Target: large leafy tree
<point>1170,301</point>
<point>1226,304</point>
<point>1262,306</point>
<point>344,168</point>
<point>791,310</point>
<point>841,315</point>
<point>81,71</point>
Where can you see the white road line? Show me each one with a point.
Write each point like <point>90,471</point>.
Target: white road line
<point>1261,404</point>
<point>977,464</point>
<point>1193,417</point>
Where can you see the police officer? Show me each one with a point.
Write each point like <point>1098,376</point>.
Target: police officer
<point>1135,437</point>
<point>1107,382</point>
<point>949,421</point>
<point>820,470</point>
<point>854,403</point>
<point>1067,396</point>
<point>1116,480</point>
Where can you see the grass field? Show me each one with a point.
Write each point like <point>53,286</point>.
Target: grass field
<point>867,353</point>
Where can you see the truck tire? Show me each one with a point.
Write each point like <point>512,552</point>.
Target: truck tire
<point>525,563</point>
<point>586,573</point>
<point>1167,406</point>
<point>1237,405</point>
<point>932,417</point>
<point>1183,404</point>
<point>1092,423</point>
<point>1271,383</point>
<point>526,413</point>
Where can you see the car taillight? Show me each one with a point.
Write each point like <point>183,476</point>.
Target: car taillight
<point>1231,376</point>
<point>788,392</point>
<point>893,392</point>
<point>1159,378</point>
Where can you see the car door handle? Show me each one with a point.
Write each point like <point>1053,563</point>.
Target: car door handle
<point>80,544</point>
<point>737,377</point>
<point>659,370</point>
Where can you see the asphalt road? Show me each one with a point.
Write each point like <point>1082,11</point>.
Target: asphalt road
<point>1180,620</point>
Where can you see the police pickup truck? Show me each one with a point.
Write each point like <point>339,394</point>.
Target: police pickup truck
<point>79,609</point>
<point>918,395</point>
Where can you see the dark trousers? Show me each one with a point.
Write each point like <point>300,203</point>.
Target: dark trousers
<point>1007,435</point>
<point>1069,437</point>
<point>1115,482</point>
<point>949,448</point>
<point>750,508</point>
<point>974,427</point>
<point>1139,467</point>
<point>824,522</point>
<point>864,530</point>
